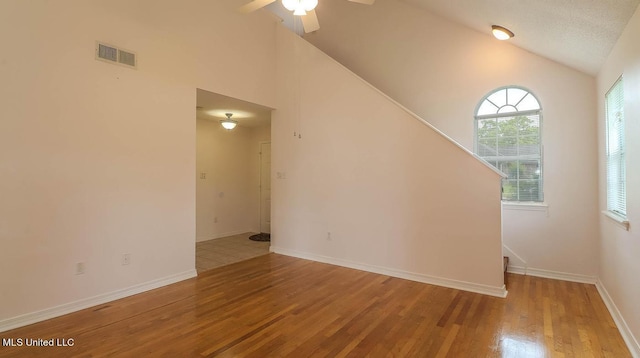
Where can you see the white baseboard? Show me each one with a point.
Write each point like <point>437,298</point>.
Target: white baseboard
<point>221,235</point>
<point>418,277</point>
<point>38,316</point>
<point>629,339</point>
<point>556,275</point>
<point>517,269</point>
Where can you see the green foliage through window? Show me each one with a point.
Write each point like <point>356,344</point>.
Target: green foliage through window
<point>509,139</point>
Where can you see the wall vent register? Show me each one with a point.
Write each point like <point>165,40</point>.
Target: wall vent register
<point>115,55</point>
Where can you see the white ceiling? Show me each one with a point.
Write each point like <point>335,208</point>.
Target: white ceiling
<point>577,33</point>
<point>213,106</point>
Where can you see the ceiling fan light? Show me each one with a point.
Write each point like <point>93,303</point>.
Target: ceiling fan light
<point>290,4</point>
<point>501,33</point>
<point>309,5</point>
<point>299,10</point>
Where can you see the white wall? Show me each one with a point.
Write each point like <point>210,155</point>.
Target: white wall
<point>394,195</point>
<point>230,191</point>
<point>441,71</point>
<point>620,249</point>
<point>98,160</point>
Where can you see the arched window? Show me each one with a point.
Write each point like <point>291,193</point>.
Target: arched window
<point>508,128</point>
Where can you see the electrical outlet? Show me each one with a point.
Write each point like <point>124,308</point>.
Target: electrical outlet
<point>203,175</point>
<point>80,269</point>
<point>126,259</point>
<point>215,219</point>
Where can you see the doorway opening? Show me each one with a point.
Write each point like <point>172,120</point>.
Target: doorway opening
<point>233,180</point>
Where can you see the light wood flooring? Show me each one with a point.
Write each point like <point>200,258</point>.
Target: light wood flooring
<point>279,306</point>
<point>227,250</point>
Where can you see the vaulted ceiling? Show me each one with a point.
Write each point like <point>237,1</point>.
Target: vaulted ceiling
<point>577,33</point>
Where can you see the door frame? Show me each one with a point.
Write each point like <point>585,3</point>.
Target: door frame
<point>260,186</point>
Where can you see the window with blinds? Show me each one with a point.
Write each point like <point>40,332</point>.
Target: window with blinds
<point>508,128</point>
<point>616,170</point>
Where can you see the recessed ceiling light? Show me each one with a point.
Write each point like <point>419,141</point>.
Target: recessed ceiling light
<point>501,33</point>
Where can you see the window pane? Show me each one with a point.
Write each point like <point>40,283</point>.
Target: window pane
<point>507,109</point>
<point>508,146</point>
<point>510,190</point>
<point>616,126</point>
<point>487,108</point>
<point>529,190</point>
<point>487,128</point>
<point>498,98</point>
<point>528,125</point>
<point>615,147</point>
<point>528,103</point>
<point>529,169</point>
<point>512,141</point>
<point>515,95</point>
<point>510,168</point>
<point>487,147</point>
<point>529,146</point>
<point>508,126</point>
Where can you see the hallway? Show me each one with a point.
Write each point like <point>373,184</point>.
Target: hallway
<point>227,250</point>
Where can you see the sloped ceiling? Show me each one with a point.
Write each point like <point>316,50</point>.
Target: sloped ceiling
<point>576,33</point>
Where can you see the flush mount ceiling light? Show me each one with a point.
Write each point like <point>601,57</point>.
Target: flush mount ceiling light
<point>228,123</point>
<point>501,33</point>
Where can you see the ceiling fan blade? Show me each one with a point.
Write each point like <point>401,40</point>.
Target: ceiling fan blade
<point>254,5</point>
<point>366,2</point>
<point>310,21</point>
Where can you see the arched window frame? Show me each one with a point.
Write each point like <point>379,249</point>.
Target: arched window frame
<point>519,156</point>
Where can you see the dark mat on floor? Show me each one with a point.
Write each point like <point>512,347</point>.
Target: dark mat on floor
<point>263,236</point>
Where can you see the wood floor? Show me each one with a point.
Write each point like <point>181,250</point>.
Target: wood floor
<point>227,250</point>
<point>278,306</point>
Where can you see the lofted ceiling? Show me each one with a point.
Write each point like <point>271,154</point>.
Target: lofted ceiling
<point>213,106</point>
<point>577,33</point>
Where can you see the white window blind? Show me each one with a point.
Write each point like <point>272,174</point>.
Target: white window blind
<point>616,170</point>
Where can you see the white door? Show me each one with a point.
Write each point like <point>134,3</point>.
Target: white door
<point>265,187</point>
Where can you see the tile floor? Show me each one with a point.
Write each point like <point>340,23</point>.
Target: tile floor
<point>227,250</point>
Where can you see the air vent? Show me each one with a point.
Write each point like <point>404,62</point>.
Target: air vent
<point>107,53</point>
<point>115,55</point>
<point>127,58</point>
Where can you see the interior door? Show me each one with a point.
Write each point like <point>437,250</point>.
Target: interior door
<point>265,187</point>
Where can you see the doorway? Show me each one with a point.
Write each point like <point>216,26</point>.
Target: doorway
<point>233,184</point>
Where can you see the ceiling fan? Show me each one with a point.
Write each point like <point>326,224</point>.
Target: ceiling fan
<point>302,8</point>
